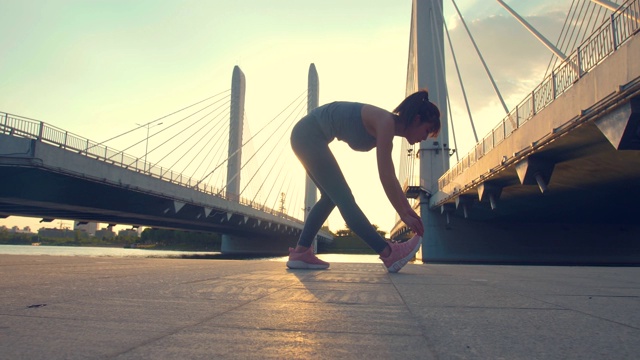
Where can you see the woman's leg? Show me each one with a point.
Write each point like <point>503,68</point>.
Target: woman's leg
<point>312,149</point>
<point>317,216</point>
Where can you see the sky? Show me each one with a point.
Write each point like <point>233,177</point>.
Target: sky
<point>96,68</point>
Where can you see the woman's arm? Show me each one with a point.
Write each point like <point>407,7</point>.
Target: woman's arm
<point>381,123</point>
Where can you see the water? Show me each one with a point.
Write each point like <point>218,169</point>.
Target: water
<point>94,251</point>
<point>123,252</point>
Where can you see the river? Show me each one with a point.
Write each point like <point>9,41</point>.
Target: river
<point>122,252</point>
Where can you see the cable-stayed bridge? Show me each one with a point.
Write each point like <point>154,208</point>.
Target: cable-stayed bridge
<point>557,179</point>
<point>50,173</point>
<point>552,182</point>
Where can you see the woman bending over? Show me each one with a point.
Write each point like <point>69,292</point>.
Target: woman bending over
<point>363,127</point>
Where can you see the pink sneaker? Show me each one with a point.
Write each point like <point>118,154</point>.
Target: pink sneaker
<point>305,260</point>
<point>401,253</point>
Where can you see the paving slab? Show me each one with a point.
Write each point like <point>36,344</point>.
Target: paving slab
<point>75,307</point>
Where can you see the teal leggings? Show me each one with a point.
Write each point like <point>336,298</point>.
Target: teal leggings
<point>312,149</point>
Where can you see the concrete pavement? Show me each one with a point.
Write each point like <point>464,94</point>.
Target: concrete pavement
<point>151,308</point>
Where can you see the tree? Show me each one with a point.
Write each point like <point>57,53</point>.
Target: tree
<point>347,232</point>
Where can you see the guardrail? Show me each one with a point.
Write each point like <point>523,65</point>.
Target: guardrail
<point>24,127</point>
<point>622,25</point>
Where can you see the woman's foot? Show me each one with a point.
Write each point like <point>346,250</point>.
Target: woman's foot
<point>305,260</point>
<point>401,254</point>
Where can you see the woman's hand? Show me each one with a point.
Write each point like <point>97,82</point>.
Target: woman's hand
<point>413,221</point>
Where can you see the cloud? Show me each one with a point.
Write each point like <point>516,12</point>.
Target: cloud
<point>516,60</point>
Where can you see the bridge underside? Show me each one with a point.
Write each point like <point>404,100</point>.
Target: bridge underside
<point>585,180</point>
<point>27,189</point>
<point>572,198</point>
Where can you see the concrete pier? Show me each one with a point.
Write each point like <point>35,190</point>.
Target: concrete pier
<point>152,308</point>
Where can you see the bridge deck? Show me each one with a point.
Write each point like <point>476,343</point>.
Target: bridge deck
<point>43,180</point>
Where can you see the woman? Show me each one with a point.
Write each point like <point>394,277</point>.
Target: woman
<point>363,127</point>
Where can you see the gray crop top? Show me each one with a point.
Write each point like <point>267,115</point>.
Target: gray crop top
<point>343,120</point>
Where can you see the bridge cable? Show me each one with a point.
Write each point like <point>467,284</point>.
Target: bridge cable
<point>284,192</point>
<point>189,127</point>
<point>217,135</point>
<point>182,132</point>
<point>211,133</point>
<point>252,157</point>
<point>574,28</point>
<point>252,168</point>
<point>235,152</point>
<point>274,182</point>
<point>161,118</point>
<point>223,145</point>
<point>434,32</point>
<point>464,93</point>
<point>290,176</point>
<point>486,68</point>
<point>172,125</point>
<point>591,22</point>
<point>218,130</point>
<point>261,146</point>
<point>553,59</point>
<point>247,141</point>
<point>600,18</point>
<point>453,130</point>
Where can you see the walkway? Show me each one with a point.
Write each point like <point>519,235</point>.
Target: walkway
<point>133,308</point>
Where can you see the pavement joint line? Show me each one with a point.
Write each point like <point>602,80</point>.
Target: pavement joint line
<point>176,330</point>
<point>497,307</point>
<point>569,309</point>
<point>423,333</point>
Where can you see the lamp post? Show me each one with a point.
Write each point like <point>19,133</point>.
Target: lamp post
<point>146,146</point>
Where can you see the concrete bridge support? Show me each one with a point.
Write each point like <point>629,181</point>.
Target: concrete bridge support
<point>311,191</point>
<point>236,121</point>
<point>426,70</point>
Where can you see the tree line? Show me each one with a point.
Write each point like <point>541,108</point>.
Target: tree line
<point>345,240</point>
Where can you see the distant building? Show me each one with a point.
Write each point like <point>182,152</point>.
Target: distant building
<point>90,228</point>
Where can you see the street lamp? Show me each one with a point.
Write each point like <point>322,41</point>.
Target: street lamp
<point>146,146</point>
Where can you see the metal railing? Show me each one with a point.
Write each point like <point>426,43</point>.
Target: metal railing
<point>622,25</point>
<point>19,126</point>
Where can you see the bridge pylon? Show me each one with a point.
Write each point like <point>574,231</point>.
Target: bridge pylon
<point>235,244</point>
<point>238,243</point>
<point>236,122</point>
<point>426,70</point>
<point>311,191</point>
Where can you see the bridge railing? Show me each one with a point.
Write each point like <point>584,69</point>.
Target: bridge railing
<point>24,127</point>
<point>606,39</point>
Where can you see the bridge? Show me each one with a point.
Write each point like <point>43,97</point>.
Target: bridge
<point>553,182</point>
<point>50,173</point>
<point>556,179</point>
